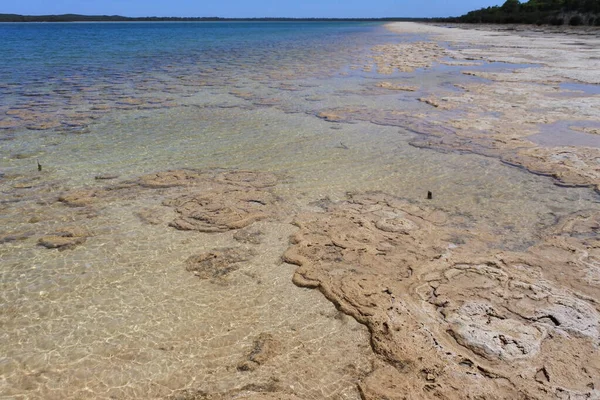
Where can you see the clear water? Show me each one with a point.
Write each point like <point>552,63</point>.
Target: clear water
<point>561,133</point>
<point>119,317</point>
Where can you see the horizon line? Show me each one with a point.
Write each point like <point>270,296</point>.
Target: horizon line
<point>207,17</point>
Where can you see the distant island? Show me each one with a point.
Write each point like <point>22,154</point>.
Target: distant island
<point>118,18</point>
<point>540,12</point>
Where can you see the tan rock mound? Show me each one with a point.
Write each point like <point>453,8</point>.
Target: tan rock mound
<point>450,316</point>
<point>79,198</point>
<point>65,238</point>
<point>395,86</point>
<point>220,211</point>
<point>331,116</point>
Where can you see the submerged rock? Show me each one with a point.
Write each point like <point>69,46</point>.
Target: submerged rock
<point>65,238</point>
<point>264,348</point>
<point>218,263</point>
<point>15,236</point>
<point>249,236</point>
<point>395,86</point>
<point>169,179</point>
<point>222,211</point>
<point>434,296</point>
<point>79,198</point>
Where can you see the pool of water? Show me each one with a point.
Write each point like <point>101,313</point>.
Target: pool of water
<point>568,133</point>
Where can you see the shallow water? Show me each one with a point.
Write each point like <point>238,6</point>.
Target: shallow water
<point>119,316</point>
<point>581,87</point>
<point>564,133</point>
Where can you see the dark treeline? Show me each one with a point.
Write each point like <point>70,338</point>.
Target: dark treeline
<point>552,12</point>
<point>118,18</point>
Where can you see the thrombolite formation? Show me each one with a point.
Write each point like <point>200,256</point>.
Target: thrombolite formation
<point>230,209</point>
<point>206,201</point>
<point>395,86</point>
<point>448,317</point>
<point>234,327</point>
<point>123,309</point>
<point>499,117</point>
<point>65,238</point>
<point>390,58</point>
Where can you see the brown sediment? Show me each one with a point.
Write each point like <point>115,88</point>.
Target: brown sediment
<point>331,116</point>
<point>249,236</point>
<point>435,102</point>
<point>252,392</point>
<point>448,317</point>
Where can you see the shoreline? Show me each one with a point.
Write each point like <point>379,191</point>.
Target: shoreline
<point>328,275</point>
<point>508,136</point>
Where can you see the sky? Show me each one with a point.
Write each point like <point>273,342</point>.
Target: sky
<point>248,8</point>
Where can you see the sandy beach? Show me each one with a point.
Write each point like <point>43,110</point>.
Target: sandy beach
<point>294,253</point>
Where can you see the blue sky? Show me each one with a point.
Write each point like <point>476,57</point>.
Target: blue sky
<point>249,8</point>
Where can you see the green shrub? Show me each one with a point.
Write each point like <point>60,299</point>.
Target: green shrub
<point>576,20</point>
<point>557,21</point>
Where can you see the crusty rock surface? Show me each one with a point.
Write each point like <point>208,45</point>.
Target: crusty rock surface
<point>406,57</point>
<point>219,211</point>
<point>447,318</point>
<point>500,117</point>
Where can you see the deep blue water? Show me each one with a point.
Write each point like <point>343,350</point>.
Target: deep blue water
<point>42,52</point>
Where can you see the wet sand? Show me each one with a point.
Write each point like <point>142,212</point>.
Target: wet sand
<point>293,253</point>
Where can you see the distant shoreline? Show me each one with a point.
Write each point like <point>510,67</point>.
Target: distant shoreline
<point>119,18</point>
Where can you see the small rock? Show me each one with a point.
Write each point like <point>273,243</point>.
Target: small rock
<point>218,263</point>
<point>265,347</point>
<point>65,238</point>
<point>106,176</point>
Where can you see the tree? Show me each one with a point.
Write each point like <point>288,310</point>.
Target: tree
<point>511,6</point>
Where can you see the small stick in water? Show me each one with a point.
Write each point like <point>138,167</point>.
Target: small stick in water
<point>429,195</point>
<point>39,166</point>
